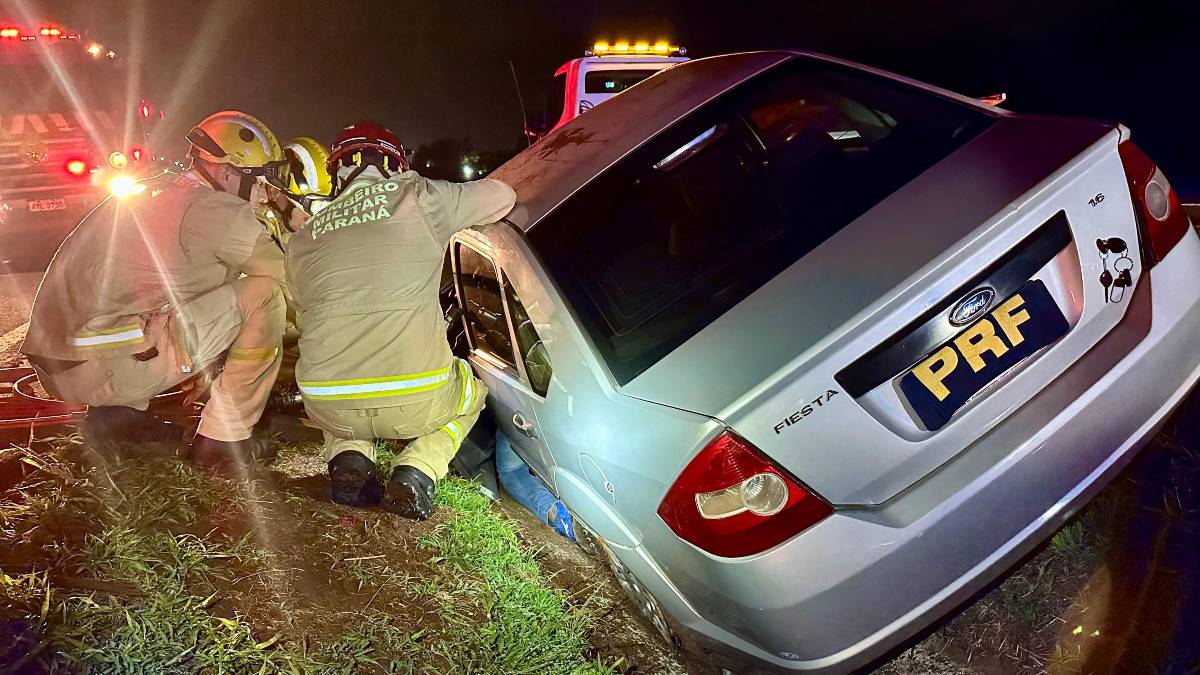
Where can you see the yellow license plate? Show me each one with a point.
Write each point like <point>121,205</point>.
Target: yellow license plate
<point>941,383</point>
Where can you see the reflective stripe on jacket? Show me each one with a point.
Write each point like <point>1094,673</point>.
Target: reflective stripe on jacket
<point>364,276</point>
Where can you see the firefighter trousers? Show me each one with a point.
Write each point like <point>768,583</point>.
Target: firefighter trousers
<point>436,425</point>
<point>241,321</point>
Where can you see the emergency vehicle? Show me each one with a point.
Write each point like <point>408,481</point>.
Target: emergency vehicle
<point>604,71</point>
<point>70,134</point>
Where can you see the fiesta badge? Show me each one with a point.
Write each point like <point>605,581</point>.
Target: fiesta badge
<point>973,305</point>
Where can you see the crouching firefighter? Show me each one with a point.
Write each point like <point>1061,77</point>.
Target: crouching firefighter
<point>374,359</point>
<point>153,288</point>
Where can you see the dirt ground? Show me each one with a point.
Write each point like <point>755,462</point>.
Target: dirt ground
<point>1115,591</point>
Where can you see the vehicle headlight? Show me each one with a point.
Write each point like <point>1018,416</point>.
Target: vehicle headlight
<point>124,186</point>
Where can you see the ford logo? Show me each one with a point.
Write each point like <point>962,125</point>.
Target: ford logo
<point>972,306</point>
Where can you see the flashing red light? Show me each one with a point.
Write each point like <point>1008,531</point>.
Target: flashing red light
<point>136,154</point>
<point>77,167</point>
<point>144,110</point>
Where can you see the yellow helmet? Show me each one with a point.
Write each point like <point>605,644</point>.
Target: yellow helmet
<point>307,174</point>
<point>234,138</point>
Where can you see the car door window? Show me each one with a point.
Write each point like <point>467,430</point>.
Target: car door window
<point>483,306</point>
<point>529,344</point>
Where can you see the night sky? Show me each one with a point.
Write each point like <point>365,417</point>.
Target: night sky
<point>437,69</point>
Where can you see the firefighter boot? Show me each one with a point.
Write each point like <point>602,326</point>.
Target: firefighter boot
<point>208,453</point>
<point>409,493</point>
<point>354,480</point>
<point>105,425</point>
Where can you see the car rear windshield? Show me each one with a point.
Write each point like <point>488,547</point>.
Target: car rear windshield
<point>657,247</point>
<point>613,81</point>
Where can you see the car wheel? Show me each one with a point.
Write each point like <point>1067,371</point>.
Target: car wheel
<point>641,598</point>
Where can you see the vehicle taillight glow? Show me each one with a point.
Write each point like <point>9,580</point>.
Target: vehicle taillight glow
<point>51,31</point>
<point>76,167</point>
<point>1162,221</point>
<point>144,110</point>
<point>136,153</point>
<point>732,501</point>
<point>10,32</point>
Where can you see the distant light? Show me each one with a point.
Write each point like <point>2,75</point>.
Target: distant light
<point>468,171</point>
<point>144,110</point>
<point>124,186</point>
<point>111,54</point>
<point>136,153</point>
<point>95,49</point>
<point>77,167</point>
<point>118,160</point>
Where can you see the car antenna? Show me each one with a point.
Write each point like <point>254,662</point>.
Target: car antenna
<point>521,101</point>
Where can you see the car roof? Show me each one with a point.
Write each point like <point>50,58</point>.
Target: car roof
<point>550,171</point>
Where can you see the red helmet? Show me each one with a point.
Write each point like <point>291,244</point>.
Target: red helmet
<point>372,138</point>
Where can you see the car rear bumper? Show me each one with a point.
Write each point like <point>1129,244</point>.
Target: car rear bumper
<point>865,580</point>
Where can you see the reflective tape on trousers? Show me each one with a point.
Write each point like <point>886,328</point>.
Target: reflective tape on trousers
<point>454,431</point>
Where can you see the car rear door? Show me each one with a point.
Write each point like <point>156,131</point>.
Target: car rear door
<point>505,352</point>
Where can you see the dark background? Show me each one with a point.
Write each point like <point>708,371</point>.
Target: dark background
<point>435,70</point>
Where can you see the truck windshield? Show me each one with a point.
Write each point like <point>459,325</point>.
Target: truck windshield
<point>33,86</point>
<point>613,81</point>
<point>662,244</point>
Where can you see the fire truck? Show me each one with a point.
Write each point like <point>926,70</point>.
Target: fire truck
<point>604,71</point>
<point>70,134</point>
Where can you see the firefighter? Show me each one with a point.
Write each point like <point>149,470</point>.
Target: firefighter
<point>151,289</point>
<point>299,190</point>
<point>374,359</point>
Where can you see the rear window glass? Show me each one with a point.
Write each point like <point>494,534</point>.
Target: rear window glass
<point>613,81</point>
<point>663,243</point>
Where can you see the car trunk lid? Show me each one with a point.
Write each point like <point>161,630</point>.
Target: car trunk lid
<point>1026,200</point>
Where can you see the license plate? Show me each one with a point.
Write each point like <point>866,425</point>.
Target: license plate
<point>946,379</point>
<point>47,204</point>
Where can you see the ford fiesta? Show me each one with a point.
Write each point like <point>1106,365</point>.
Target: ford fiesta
<point>817,352</point>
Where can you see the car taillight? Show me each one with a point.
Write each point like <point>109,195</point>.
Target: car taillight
<point>144,110</point>
<point>1162,222</point>
<point>136,154</point>
<point>76,167</point>
<point>732,501</point>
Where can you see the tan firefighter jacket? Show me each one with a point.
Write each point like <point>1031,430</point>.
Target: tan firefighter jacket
<point>135,257</point>
<point>364,276</point>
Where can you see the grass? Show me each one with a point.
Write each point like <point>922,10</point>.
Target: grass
<point>148,566</point>
<point>527,626</point>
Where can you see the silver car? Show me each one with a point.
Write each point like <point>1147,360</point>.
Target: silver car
<point>817,352</point>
